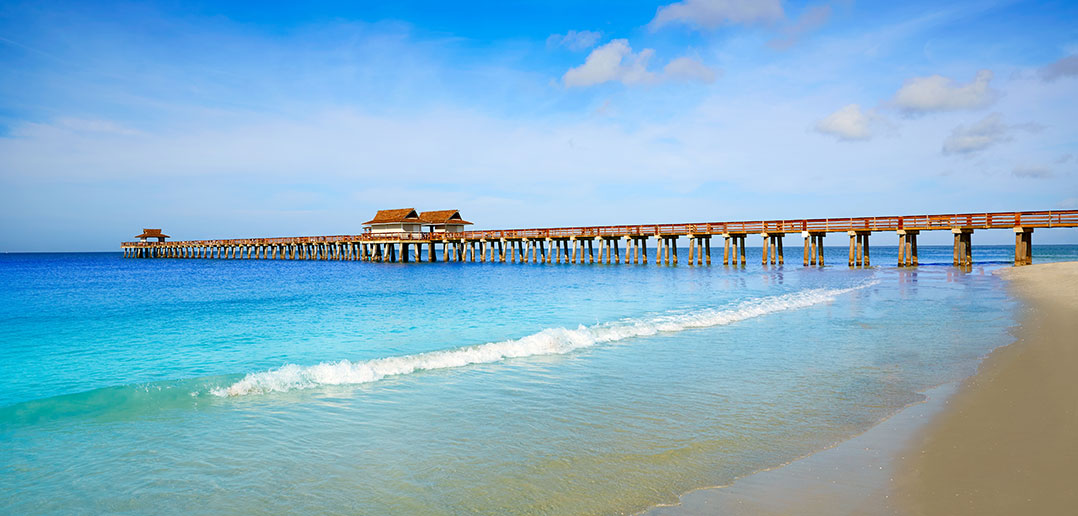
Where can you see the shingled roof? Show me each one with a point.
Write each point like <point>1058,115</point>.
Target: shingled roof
<point>442,217</point>
<point>392,216</point>
<point>151,233</point>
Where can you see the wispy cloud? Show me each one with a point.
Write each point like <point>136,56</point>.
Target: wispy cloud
<point>710,14</point>
<point>574,40</point>
<point>1066,67</point>
<point>985,133</point>
<point>810,20</point>
<point>1032,172</point>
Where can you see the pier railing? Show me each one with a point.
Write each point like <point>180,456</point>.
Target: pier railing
<point>998,220</point>
<point>546,244</point>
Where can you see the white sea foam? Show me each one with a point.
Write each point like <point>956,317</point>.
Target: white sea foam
<point>551,341</point>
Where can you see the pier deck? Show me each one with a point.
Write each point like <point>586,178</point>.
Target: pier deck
<point>578,244</point>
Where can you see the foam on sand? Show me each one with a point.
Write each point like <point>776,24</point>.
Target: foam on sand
<point>551,341</point>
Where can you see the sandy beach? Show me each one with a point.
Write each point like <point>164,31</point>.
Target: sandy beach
<point>1007,443</point>
<point>1002,442</point>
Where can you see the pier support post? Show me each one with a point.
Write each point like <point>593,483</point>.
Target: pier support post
<point>864,245</point>
<point>859,248</point>
<point>765,248</point>
<point>853,248</point>
<point>1023,246</point>
<point>741,249</point>
<point>726,249</point>
<point>819,248</point>
<point>808,245</point>
<point>963,247</point>
<point>813,248</point>
<point>907,247</point>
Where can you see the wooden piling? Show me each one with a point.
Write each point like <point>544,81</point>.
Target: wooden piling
<point>726,249</point>
<point>765,247</point>
<point>1023,246</point>
<point>741,248</point>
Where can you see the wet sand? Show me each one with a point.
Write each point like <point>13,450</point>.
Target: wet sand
<point>1004,442</point>
<point>851,478</point>
<point>1008,444</point>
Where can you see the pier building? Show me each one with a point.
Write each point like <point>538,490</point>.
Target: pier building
<point>443,221</point>
<point>404,235</point>
<point>151,233</point>
<point>403,220</point>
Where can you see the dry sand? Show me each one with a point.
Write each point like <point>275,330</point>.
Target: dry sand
<point>1005,443</point>
<point>1008,443</point>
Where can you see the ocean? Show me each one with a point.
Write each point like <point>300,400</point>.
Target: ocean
<point>171,386</point>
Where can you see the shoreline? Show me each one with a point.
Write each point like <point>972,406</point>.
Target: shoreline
<point>901,465</point>
<point>1008,443</point>
<point>850,477</point>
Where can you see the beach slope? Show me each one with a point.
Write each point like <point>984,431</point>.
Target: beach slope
<point>1008,442</point>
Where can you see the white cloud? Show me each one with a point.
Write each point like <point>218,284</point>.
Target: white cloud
<point>811,19</point>
<point>710,14</point>
<point>985,133</point>
<point>689,69</point>
<point>850,123</point>
<point>938,93</point>
<point>616,61</point>
<point>1066,67</point>
<point>574,40</point>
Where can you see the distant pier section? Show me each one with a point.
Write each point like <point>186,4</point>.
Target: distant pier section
<point>405,235</point>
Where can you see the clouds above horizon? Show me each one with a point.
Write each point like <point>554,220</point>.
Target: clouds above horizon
<point>563,114</point>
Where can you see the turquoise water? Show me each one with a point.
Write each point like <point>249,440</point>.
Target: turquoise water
<point>270,387</point>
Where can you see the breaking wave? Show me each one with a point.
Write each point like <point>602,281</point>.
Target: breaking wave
<point>551,341</point>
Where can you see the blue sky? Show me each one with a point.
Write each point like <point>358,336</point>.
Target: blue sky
<point>265,118</point>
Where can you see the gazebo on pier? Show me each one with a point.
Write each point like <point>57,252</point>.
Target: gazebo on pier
<point>151,233</point>
<point>403,220</point>
<point>443,221</point>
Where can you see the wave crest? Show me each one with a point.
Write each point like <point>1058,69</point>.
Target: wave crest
<point>551,341</point>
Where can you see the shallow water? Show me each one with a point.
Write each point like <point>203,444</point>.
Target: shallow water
<point>210,386</point>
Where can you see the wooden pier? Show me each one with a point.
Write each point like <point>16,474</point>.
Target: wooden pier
<point>578,245</point>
